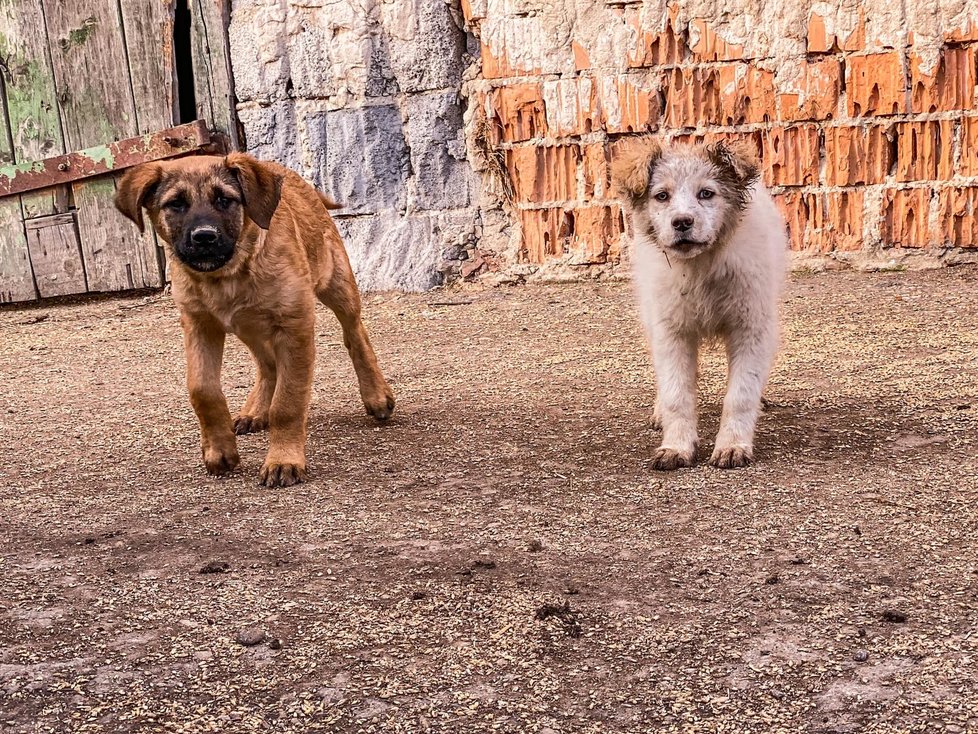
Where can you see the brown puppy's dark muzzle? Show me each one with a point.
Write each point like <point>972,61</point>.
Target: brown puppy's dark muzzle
<point>205,249</point>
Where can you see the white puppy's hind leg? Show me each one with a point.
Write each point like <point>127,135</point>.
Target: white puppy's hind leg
<point>750,354</point>
<point>674,358</point>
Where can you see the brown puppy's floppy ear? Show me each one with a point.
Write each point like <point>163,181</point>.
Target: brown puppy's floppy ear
<point>260,186</point>
<point>633,164</point>
<point>135,188</point>
<point>739,157</point>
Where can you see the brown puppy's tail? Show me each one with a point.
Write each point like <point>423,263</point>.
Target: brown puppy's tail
<point>327,202</point>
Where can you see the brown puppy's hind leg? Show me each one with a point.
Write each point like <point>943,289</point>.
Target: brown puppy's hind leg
<point>253,416</point>
<point>204,345</point>
<point>343,298</point>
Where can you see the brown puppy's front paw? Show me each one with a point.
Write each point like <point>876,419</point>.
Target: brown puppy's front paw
<point>381,407</point>
<point>275,474</point>
<point>733,457</point>
<point>666,459</point>
<point>250,423</point>
<point>220,461</point>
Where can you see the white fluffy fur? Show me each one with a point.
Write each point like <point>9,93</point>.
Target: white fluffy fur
<point>723,289</point>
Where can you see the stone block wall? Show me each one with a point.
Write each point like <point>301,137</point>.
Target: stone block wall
<point>363,98</point>
<point>474,136</point>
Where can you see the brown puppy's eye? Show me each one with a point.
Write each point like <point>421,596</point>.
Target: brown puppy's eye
<point>705,194</point>
<point>223,202</point>
<point>662,196</point>
<point>176,205</point>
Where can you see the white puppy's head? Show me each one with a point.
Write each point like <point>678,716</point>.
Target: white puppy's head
<point>686,199</point>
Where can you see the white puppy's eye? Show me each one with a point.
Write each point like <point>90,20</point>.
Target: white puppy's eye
<point>705,194</point>
<point>662,196</point>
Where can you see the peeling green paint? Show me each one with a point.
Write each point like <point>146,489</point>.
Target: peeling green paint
<point>100,154</point>
<point>31,111</point>
<point>103,186</point>
<point>78,36</point>
<point>11,171</point>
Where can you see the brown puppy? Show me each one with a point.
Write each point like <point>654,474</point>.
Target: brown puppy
<point>250,245</point>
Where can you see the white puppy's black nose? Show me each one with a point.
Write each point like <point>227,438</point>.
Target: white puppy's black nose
<point>682,224</point>
<point>204,236</point>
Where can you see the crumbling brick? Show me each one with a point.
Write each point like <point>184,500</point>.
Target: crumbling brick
<point>518,113</point>
<point>876,84</point>
<point>949,86</point>
<point>857,155</point>
<point>542,174</point>
<point>924,150</point>
<point>905,217</point>
<point>791,155</point>
<point>958,220</point>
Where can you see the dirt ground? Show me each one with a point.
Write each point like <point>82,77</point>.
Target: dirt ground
<point>499,557</point>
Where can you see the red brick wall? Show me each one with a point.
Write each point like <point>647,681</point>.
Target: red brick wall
<point>866,150</point>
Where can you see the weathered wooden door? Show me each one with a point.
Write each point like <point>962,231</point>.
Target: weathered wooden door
<point>88,88</point>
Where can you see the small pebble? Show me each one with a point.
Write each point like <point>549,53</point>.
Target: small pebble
<point>894,615</point>
<point>250,637</point>
<point>214,567</point>
<point>275,643</point>
<point>860,656</point>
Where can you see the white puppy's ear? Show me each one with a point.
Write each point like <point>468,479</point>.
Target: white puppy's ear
<point>632,166</point>
<point>738,158</point>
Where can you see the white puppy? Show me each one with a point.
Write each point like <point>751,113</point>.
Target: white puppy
<point>709,248</point>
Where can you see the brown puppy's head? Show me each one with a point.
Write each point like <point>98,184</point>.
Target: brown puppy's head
<point>202,206</point>
<point>685,199</point>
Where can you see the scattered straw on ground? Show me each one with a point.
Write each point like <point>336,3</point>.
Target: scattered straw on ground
<point>499,557</point>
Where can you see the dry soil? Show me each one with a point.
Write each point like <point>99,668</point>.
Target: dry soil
<point>499,557</point>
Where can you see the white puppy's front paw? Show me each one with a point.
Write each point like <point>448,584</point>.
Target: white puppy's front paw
<point>668,459</point>
<point>732,457</point>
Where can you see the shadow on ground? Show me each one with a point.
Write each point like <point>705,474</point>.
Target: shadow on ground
<point>499,557</point>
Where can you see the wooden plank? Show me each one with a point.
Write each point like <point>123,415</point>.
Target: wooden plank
<point>42,203</point>
<point>214,85</point>
<point>29,81</point>
<point>34,129</point>
<point>6,141</point>
<point>97,107</point>
<point>31,96</point>
<point>90,71</point>
<point>117,257</point>
<point>148,32</point>
<point>16,276</point>
<point>55,220</point>
<point>103,159</point>
<point>53,246</point>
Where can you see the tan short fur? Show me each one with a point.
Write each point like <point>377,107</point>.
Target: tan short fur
<point>286,253</point>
